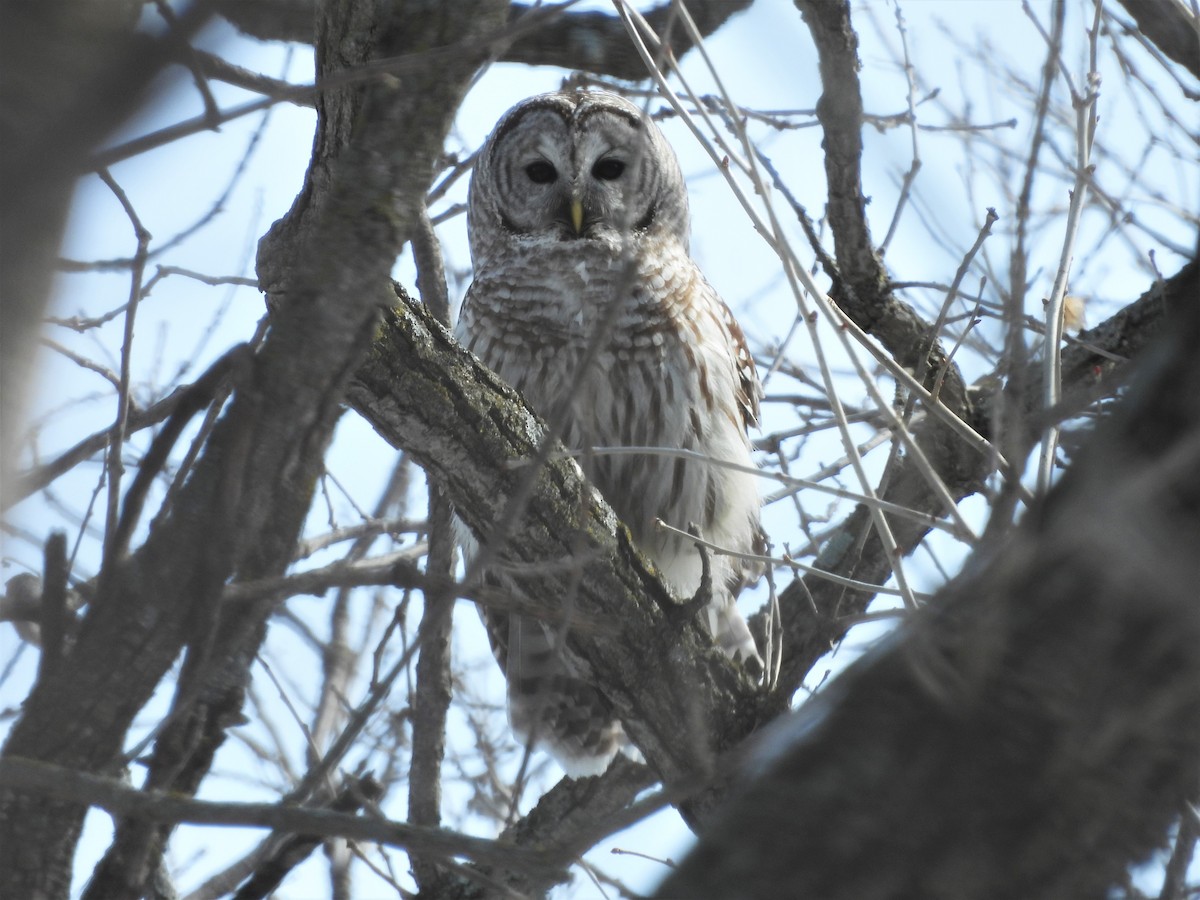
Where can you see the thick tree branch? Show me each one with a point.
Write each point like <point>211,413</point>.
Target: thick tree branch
<point>1099,360</point>
<point>272,20</point>
<point>565,817</point>
<point>434,682</point>
<point>421,393</point>
<point>597,42</point>
<point>593,41</point>
<point>817,612</point>
<point>424,394</point>
<point>863,283</point>
<point>242,508</point>
<point>1036,730</point>
<point>1125,334</point>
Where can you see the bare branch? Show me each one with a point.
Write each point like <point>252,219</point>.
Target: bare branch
<point>592,41</point>
<point>433,686</point>
<point>45,780</point>
<point>238,518</point>
<point>63,112</point>
<point>1090,676</point>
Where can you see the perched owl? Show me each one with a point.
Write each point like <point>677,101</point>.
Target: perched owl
<point>578,221</point>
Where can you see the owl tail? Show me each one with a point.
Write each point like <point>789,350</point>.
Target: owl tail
<point>550,708</point>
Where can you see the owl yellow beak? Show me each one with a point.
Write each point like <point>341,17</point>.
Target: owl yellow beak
<point>577,215</point>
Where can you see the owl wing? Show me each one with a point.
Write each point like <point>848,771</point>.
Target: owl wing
<point>726,622</point>
<point>749,394</point>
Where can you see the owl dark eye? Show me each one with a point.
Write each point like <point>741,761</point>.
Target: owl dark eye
<point>608,169</point>
<point>541,172</point>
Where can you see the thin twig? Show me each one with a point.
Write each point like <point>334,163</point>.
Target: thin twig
<point>114,466</point>
<point>814,484</point>
<point>786,562</point>
<point>83,362</point>
<point>915,166</point>
<point>984,232</point>
<point>187,56</point>
<point>1085,129</point>
<point>795,273</point>
<point>845,328</point>
<point>375,69</point>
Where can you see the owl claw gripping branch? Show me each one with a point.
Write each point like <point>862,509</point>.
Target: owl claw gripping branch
<point>578,220</point>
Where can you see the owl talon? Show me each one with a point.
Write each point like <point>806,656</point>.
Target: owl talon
<point>687,610</point>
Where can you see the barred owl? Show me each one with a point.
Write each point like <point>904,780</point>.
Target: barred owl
<point>578,222</point>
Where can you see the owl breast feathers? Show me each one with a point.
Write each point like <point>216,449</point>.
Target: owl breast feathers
<point>578,221</point>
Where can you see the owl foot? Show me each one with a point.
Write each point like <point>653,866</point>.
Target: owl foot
<point>687,610</point>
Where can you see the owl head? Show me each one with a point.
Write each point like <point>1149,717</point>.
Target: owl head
<point>574,167</point>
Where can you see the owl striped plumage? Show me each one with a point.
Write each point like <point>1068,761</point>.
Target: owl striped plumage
<point>578,220</point>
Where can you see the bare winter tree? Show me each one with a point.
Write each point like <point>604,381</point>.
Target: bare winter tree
<point>934,406</point>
